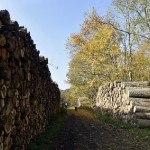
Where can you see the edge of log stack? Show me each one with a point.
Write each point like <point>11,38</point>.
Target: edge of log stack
<point>28,95</point>
<point>129,101</point>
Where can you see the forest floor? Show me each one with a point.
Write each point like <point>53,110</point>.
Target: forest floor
<point>84,130</point>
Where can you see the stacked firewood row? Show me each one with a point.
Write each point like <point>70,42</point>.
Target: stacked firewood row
<point>128,101</point>
<point>28,96</point>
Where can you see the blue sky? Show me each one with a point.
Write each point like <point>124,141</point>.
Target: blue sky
<point>50,23</point>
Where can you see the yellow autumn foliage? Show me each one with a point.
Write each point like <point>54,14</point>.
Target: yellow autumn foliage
<point>98,58</point>
<point>97,53</point>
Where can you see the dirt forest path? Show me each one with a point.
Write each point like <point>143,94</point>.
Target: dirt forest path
<point>82,131</point>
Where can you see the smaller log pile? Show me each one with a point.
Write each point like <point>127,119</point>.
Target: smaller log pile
<point>28,96</point>
<point>83,101</point>
<point>128,101</point>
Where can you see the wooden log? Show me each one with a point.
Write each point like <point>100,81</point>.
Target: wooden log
<point>16,93</point>
<point>143,123</point>
<point>10,92</point>
<point>17,103</point>
<point>22,52</point>
<point>139,93</point>
<point>2,40</point>
<point>141,109</point>
<point>17,140</point>
<point>139,102</point>
<point>28,76</point>
<point>26,120</point>
<point>2,103</point>
<point>1,143</point>
<point>13,113</point>
<point>5,17</point>
<point>8,74</point>
<point>4,54</point>
<point>3,91</point>
<point>8,107</point>
<point>127,109</point>
<point>12,44</point>
<point>142,115</point>
<point>135,84</point>
<point>7,142</point>
<point>15,98</point>
<point>27,102</point>
<point>116,83</point>
<point>9,124</point>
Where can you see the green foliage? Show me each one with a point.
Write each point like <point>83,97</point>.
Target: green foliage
<point>65,96</point>
<point>135,24</point>
<point>105,50</point>
<point>95,57</point>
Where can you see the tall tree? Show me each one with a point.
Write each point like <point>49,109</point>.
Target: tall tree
<point>136,27</point>
<point>95,56</point>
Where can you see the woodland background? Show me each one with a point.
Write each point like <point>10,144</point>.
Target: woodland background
<point>114,47</point>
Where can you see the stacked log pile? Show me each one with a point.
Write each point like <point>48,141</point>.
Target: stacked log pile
<point>128,101</point>
<point>28,96</point>
<point>83,101</point>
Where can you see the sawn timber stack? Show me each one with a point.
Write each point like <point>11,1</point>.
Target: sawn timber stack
<point>28,96</point>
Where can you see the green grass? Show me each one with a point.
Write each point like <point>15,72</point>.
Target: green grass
<point>45,140</point>
<point>115,122</point>
<point>141,133</point>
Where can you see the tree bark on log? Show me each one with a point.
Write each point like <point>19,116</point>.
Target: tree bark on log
<point>135,84</point>
<point>139,93</point>
<point>143,115</point>
<point>141,109</point>
<point>139,102</point>
<point>126,100</point>
<point>143,123</point>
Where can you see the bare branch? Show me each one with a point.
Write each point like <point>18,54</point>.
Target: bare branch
<point>130,33</point>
